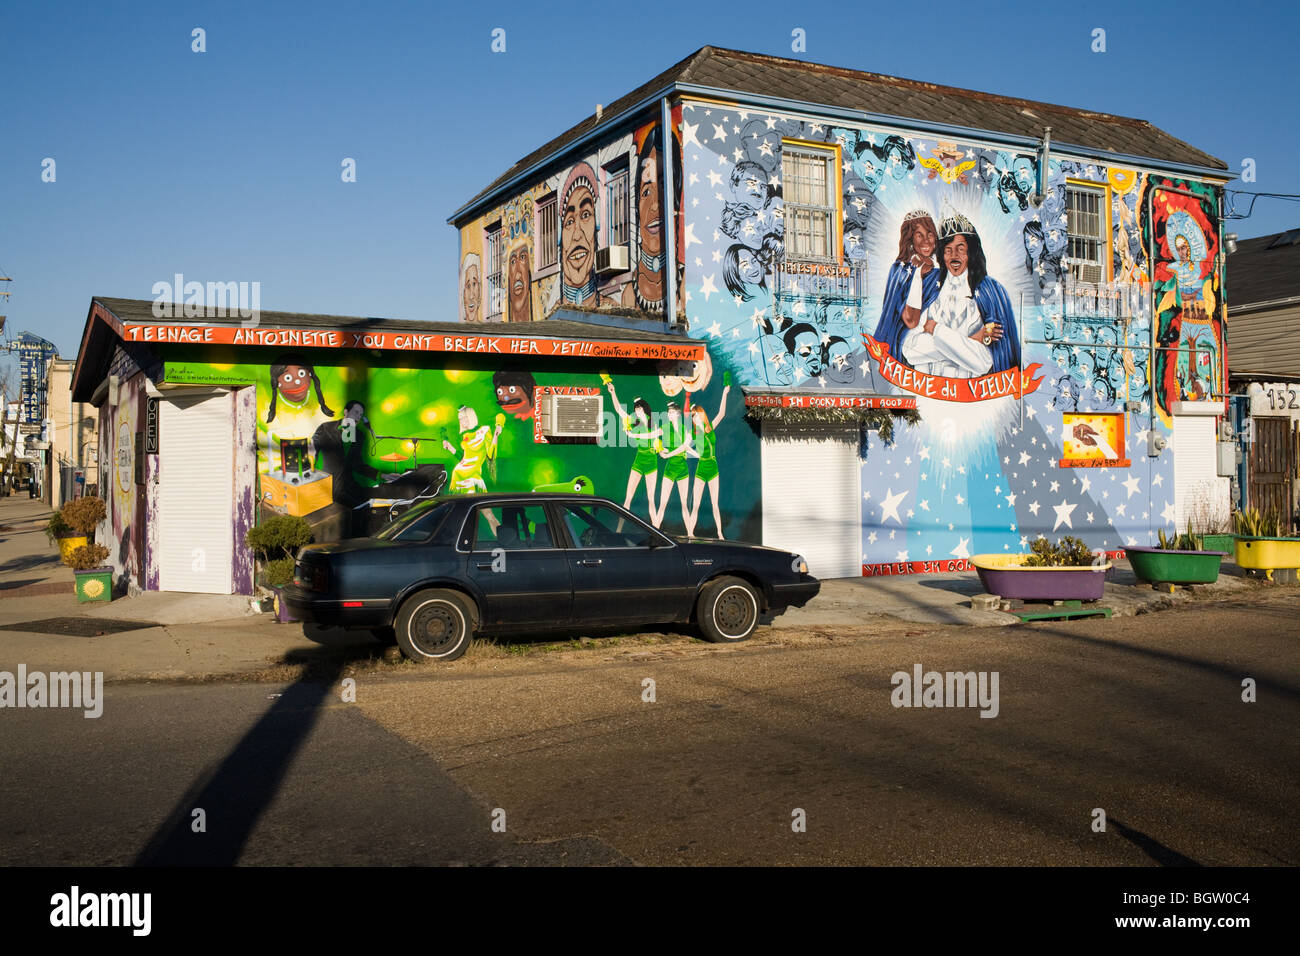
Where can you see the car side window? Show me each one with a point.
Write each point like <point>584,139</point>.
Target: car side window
<point>600,526</point>
<point>511,527</point>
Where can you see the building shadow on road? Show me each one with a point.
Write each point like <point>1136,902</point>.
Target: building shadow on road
<point>236,793</point>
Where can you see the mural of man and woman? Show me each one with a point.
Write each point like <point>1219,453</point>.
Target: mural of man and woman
<point>672,440</point>
<point>943,314</point>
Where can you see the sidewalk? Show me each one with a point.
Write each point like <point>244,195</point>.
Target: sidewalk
<point>199,635</point>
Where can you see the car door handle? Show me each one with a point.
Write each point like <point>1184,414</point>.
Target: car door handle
<point>589,562</point>
<point>484,567</point>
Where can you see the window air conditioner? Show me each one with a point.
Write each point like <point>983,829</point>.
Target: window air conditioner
<point>572,416</point>
<point>612,259</point>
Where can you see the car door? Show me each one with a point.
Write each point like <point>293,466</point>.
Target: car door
<point>512,555</point>
<point>623,571</point>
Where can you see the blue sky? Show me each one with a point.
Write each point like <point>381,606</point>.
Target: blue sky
<point>225,165</point>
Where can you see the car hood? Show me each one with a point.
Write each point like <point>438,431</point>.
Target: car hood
<point>720,548</point>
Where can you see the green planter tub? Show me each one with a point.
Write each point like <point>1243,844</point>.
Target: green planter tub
<point>1219,542</point>
<point>1161,566</point>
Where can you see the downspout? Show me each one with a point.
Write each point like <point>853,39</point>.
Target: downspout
<point>669,215</point>
<point>1044,165</point>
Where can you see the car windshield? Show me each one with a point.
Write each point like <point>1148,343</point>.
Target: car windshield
<point>417,524</point>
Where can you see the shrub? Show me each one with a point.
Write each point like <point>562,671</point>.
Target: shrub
<point>56,527</point>
<point>1253,523</point>
<point>87,557</point>
<point>83,515</point>
<point>275,542</point>
<point>278,572</point>
<point>1068,552</point>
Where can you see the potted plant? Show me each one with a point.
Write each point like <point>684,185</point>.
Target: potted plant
<point>93,581</point>
<point>275,542</point>
<point>1261,543</point>
<point>1183,559</point>
<point>58,533</point>
<point>1065,571</point>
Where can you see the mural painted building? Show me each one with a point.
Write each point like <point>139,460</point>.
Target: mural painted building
<point>1042,286</point>
<point>207,425</point>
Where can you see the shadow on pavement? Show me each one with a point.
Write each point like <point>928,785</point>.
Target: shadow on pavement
<point>236,794</point>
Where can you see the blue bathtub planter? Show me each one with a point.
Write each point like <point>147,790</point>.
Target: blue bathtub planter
<point>1006,576</point>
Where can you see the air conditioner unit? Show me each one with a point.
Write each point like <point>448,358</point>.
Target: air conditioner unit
<point>612,259</point>
<point>1086,271</point>
<point>572,416</point>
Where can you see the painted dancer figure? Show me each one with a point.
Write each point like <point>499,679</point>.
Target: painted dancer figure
<point>646,441</point>
<point>676,445</point>
<point>706,471</point>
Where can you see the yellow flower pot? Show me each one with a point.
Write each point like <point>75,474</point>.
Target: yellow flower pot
<point>1268,554</point>
<point>70,544</point>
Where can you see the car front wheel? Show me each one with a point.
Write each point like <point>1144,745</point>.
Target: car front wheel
<point>728,610</point>
<point>434,626</point>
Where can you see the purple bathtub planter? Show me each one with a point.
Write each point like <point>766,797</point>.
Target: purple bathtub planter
<point>1003,575</point>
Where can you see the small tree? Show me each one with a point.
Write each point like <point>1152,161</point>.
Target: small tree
<point>275,542</point>
<point>88,557</point>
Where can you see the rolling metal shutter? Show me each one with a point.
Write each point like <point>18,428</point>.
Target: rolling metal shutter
<point>1197,485</point>
<point>195,494</point>
<point>812,481</point>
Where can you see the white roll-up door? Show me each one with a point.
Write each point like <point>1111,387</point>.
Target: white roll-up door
<point>1200,492</point>
<point>812,481</point>
<point>195,494</point>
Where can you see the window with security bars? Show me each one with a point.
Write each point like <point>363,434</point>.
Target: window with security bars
<point>496,287</point>
<point>809,197</point>
<point>1087,242</point>
<point>616,201</point>
<point>548,223</point>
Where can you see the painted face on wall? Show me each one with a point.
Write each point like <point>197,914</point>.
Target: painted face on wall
<point>578,237</point>
<point>854,243</point>
<point>923,240</point>
<point>471,288</point>
<point>1023,170</point>
<point>468,419</point>
<point>294,383</point>
<point>955,257</point>
<point>519,276</point>
<point>750,266</point>
<point>1183,249</point>
<point>750,189</point>
<point>647,206</point>
<point>808,352</point>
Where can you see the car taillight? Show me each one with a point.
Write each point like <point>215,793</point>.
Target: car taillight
<point>313,577</point>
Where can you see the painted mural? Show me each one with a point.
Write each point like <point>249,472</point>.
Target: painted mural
<point>947,276</point>
<point>551,233</point>
<point>348,444</point>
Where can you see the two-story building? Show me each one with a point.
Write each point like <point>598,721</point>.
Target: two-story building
<point>953,321</point>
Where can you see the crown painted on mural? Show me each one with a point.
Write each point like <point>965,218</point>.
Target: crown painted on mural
<point>955,224</point>
<point>917,214</point>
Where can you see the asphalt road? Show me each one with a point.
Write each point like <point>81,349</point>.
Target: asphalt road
<point>1140,717</point>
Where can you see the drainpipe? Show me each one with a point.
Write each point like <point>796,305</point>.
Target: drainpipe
<point>1044,162</point>
<point>669,215</point>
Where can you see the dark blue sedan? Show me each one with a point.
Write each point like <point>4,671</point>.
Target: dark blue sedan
<point>503,564</point>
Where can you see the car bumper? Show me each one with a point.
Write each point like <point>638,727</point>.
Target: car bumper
<point>314,608</point>
<point>795,594</point>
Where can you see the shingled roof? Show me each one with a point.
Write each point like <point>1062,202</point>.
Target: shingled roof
<point>1265,269</point>
<point>814,83</point>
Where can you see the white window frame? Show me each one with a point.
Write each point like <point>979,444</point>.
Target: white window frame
<point>547,246</point>
<point>1087,233</point>
<point>618,210</point>
<point>494,261</point>
<point>802,206</point>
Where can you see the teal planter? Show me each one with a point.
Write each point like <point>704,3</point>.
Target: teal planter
<point>1161,566</point>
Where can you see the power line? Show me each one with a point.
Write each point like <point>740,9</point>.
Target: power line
<point>1232,205</point>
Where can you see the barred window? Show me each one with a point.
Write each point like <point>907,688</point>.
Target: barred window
<point>496,287</point>
<point>809,178</point>
<point>548,222</point>
<point>1086,228</point>
<point>616,204</point>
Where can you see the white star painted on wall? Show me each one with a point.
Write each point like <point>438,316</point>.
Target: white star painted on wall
<point>707,288</point>
<point>961,551</point>
<point>1024,457</point>
<point>1011,499</point>
<point>1063,512</point>
<point>1169,514</point>
<point>714,178</point>
<point>1157,479</point>
<point>690,237</point>
<point>1055,486</point>
<point>889,507</point>
<point>1132,485</point>
<point>871,538</point>
<point>1033,508</point>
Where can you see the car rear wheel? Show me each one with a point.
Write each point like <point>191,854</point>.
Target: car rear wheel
<point>434,626</point>
<point>728,610</point>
